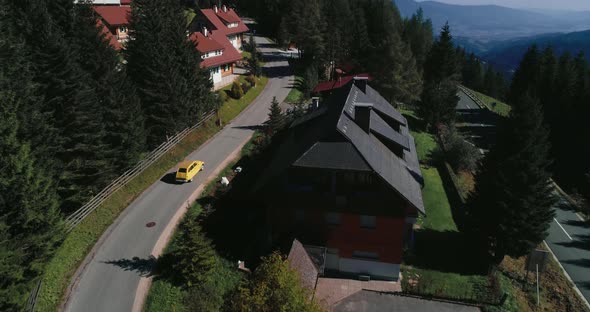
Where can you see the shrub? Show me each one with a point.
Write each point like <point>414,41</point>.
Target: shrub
<point>252,80</point>
<point>222,96</point>
<point>459,153</point>
<point>246,87</point>
<point>236,90</point>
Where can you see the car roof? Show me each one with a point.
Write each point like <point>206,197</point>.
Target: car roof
<point>186,163</point>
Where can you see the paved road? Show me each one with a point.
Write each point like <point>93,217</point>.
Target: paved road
<point>110,280</point>
<point>476,123</point>
<point>569,239</point>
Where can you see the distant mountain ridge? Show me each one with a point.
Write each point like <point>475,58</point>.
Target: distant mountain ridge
<point>507,54</point>
<point>492,23</point>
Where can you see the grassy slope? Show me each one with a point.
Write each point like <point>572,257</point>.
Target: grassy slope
<point>295,94</point>
<point>438,220</point>
<point>499,107</point>
<point>79,242</point>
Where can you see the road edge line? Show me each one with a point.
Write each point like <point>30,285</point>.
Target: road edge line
<point>576,289</point>
<point>145,283</point>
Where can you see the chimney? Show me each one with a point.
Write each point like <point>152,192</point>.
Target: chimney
<point>361,83</point>
<point>315,102</point>
<point>224,8</point>
<point>242,267</point>
<point>215,9</point>
<point>205,32</point>
<point>362,115</point>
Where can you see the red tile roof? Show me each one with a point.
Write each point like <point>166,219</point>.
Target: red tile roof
<point>114,15</point>
<point>205,44</point>
<point>230,16</point>
<point>336,84</point>
<point>230,54</point>
<point>108,36</point>
<point>125,2</point>
<point>219,25</point>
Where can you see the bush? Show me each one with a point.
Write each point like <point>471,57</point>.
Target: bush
<point>236,90</point>
<point>222,95</point>
<point>458,152</point>
<point>252,80</point>
<point>246,87</point>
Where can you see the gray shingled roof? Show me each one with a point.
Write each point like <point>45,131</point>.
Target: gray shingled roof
<point>384,162</point>
<point>379,126</point>
<point>381,105</point>
<point>333,155</point>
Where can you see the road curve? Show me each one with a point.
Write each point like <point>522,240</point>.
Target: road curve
<point>111,274</point>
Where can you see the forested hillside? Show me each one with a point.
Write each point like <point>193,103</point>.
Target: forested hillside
<point>73,116</point>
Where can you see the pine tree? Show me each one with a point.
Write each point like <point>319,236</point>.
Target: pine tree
<point>526,76</point>
<point>511,207</point>
<point>276,118</point>
<point>441,74</point>
<point>165,67</point>
<point>121,111</point>
<point>418,34</point>
<point>30,223</point>
<point>195,255</point>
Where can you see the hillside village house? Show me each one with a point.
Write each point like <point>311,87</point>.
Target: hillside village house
<point>114,20</point>
<point>218,34</point>
<point>347,178</point>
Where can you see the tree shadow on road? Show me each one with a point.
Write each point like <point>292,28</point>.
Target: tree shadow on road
<point>579,262</point>
<point>144,267</point>
<point>580,241</point>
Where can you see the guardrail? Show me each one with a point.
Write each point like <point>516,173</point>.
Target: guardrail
<point>32,301</point>
<point>474,97</point>
<point>75,218</point>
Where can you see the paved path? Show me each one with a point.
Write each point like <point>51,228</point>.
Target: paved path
<point>476,123</point>
<point>111,277</point>
<point>569,239</point>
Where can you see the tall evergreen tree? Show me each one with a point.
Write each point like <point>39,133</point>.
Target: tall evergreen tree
<point>276,118</point>
<point>526,76</point>
<point>418,34</point>
<point>195,255</point>
<point>441,75</point>
<point>121,111</point>
<point>511,207</point>
<point>30,224</point>
<point>165,67</point>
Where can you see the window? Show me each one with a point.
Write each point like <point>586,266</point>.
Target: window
<point>333,251</point>
<point>122,29</point>
<point>183,170</point>
<point>368,222</point>
<point>365,255</point>
<point>333,218</point>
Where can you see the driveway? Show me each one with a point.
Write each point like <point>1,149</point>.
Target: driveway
<point>113,271</point>
<point>569,239</point>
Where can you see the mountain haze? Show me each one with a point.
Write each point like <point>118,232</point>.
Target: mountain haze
<point>492,22</point>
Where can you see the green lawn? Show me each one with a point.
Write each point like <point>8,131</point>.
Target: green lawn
<point>494,105</point>
<point>439,262</point>
<point>295,94</point>
<point>81,240</point>
<point>232,107</point>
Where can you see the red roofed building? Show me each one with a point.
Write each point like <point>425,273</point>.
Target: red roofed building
<point>218,34</point>
<point>328,86</point>
<point>115,18</point>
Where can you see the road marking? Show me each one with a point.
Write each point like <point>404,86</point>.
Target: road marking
<point>563,229</point>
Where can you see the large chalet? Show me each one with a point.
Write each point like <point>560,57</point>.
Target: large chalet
<point>218,34</point>
<point>347,178</point>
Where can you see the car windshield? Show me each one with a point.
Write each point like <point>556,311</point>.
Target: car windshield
<point>182,170</point>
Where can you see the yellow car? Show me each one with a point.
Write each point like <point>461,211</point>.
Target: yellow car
<point>188,169</point>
